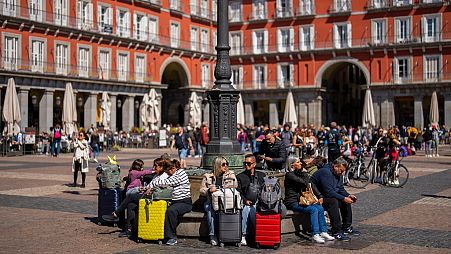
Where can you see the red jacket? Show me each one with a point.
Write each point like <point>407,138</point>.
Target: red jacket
<point>203,135</point>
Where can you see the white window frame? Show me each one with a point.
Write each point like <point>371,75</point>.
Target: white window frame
<point>204,40</point>
<point>174,35</point>
<point>402,79</point>
<point>236,45</point>
<point>399,3</point>
<point>9,7</point>
<point>374,31</point>
<point>237,82</point>
<point>62,68</point>
<point>36,9</point>
<point>83,71</point>
<point>259,9</point>
<point>105,20</point>
<point>214,41</point>
<point>264,49</point>
<point>426,36</point>
<point>284,11</point>
<point>11,59</point>
<point>205,75</point>
<point>282,82</point>
<point>255,78</point>
<point>123,24</point>
<point>303,45</point>
<point>122,68</point>
<point>38,59</point>
<point>429,75</point>
<point>379,4</point>
<point>235,14</point>
<point>338,40</point>
<point>306,7</point>
<point>204,10</point>
<point>285,46</point>
<point>61,12</point>
<point>194,35</point>
<point>398,32</point>
<point>140,74</point>
<point>85,15</point>
<point>214,6</point>
<point>153,35</point>
<point>140,27</point>
<point>342,5</point>
<point>104,70</point>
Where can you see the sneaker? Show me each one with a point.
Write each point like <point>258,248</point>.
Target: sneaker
<point>341,237</point>
<point>243,241</point>
<point>95,160</point>
<point>318,239</point>
<point>351,231</point>
<point>378,180</point>
<point>213,240</point>
<point>110,217</point>
<point>171,242</point>
<point>327,237</point>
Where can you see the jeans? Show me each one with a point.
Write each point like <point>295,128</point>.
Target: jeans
<point>248,212</point>
<point>183,153</point>
<point>254,146</point>
<point>317,219</point>
<point>435,150</point>
<point>130,195</point>
<point>212,218</point>
<point>198,150</point>
<point>56,144</point>
<point>96,150</point>
<point>338,210</point>
<point>243,146</point>
<point>429,147</point>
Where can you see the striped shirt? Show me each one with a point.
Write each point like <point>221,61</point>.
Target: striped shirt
<point>179,181</point>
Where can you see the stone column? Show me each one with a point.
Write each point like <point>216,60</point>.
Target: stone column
<point>46,111</point>
<point>113,100</point>
<point>447,109</point>
<point>128,115</point>
<point>302,113</point>
<point>314,109</point>
<point>388,112</point>
<point>90,109</point>
<point>23,102</point>
<point>206,113</point>
<point>377,110</point>
<point>418,112</point>
<point>273,114</point>
<point>249,114</point>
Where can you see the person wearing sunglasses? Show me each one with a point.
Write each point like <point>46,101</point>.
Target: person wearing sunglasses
<point>249,182</point>
<point>219,177</point>
<point>80,159</point>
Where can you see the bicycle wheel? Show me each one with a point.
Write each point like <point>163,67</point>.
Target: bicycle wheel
<point>371,169</point>
<point>358,178</point>
<point>400,176</point>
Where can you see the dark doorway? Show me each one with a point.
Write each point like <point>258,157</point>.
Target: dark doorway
<point>404,111</point>
<point>261,112</point>
<point>174,98</point>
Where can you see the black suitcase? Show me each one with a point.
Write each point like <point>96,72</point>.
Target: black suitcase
<point>229,225</point>
<point>108,201</point>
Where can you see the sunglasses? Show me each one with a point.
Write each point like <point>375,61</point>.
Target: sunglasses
<point>247,163</point>
<point>225,164</point>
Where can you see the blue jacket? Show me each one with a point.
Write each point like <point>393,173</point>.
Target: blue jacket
<point>329,184</point>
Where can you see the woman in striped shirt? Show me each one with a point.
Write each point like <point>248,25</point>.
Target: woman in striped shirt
<point>181,202</point>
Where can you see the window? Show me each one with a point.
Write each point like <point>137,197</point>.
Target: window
<point>193,7</point>
<point>11,52</point>
<point>285,75</point>
<point>307,36</point>
<point>342,36</point>
<point>342,5</point>
<point>140,68</point>
<point>36,9</point>
<point>285,39</point>
<point>214,6</point>
<point>379,28</point>
<point>105,19</point>
<point>431,28</point>
<point>237,77</point>
<point>260,41</point>
<point>10,7</point>
<point>379,3</point>
<point>204,40</point>
<point>194,38</point>
<point>104,63</point>
<point>84,58</point>
<point>283,8</point>
<point>204,8</point>
<point>402,2</point>
<point>235,44</point>
<point>61,58</point>
<point>175,35</point>
<point>205,75</point>
<point>306,7</point>
<point>235,12</point>
<point>37,55</point>
<point>402,29</point>
<point>60,12</point>
<point>84,15</point>
<point>432,68</point>
<point>123,23</point>
<point>401,69</point>
<point>258,9</point>
<point>122,66</point>
<point>174,5</point>
<point>259,76</point>
<point>214,41</point>
<point>153,29</point>
<point>140,27</point>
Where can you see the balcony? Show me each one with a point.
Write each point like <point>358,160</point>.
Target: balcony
<point>284,13</point>
<point>431,3</point>
<point>401,4</point>
<point>235,18</point>
<point>420,78</point>
<point>153,3</point>
<point>199,13</point>
<point>306,11</point>
<point>258,16</point>
<point>378,5</point>
<point>176,7</point>
<point>341,7</point>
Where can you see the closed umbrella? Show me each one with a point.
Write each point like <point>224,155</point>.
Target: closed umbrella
<point>11,109</point>
<point>290,112</point>
<point>154,110</point>
<point>143,115</point>
<point>240,111</point>
<point>105,106</point>
<point>69,110</point>
<point>368,117</point>
<point>433,113</point>
<point>194,110</point>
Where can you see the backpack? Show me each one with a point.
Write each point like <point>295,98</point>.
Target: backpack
<point>270,197</point>
<point>57,134</point>
<point>403,152</point>
<point>109,176</point>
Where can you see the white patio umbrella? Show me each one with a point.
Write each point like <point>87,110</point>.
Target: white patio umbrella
<point>194,110</point>
<point>433,113</point>
<point>368,117</point>
<point>143,115</point>
<point>105,106</point>
<point>290,112</point>
<point>69,110</point>
<point>240,111</point>
<point>154,110</point>
<point>11,109</point>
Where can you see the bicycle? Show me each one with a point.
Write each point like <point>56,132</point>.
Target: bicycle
<point>357,175</point>
<point>396,174</point>
<point>372,166</point>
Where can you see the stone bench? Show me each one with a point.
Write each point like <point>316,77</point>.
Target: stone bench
<point>194,224</point>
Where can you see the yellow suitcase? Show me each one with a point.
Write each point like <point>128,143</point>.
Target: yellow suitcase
<point>151,216</point>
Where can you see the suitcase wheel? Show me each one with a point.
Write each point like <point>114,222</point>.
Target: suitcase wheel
<point>115,224</point>
<point>139,240</point>
<point>276,246</point>
<point>238,245</point>
<point>99,223</point>
<point>160,242</point>
<point>257,245</point>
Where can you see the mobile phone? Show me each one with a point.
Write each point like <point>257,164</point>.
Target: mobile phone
<point>354,199</point>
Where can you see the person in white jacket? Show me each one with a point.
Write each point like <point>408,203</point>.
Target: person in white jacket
<point>80,159</point>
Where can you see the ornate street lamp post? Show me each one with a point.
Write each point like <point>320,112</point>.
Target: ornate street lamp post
<point>223,99</point>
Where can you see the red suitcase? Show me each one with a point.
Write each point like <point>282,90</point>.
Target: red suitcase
<point>267,230</point>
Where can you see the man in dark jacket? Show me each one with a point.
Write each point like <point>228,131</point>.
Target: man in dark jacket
<point>337,201</point>
<point>333,139</point>
<point>249,182</point>
<point>273,152</point>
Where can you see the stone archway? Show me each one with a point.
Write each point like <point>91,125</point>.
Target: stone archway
<point>343,81</point>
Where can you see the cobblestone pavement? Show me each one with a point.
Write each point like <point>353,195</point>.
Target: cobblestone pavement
<point>40,213</point>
